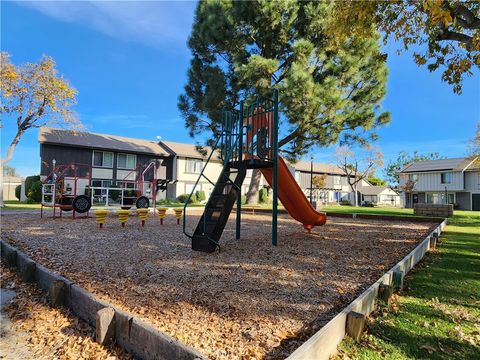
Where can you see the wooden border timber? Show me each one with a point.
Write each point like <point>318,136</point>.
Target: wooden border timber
<point>138,338</point>
<point>324,343</point>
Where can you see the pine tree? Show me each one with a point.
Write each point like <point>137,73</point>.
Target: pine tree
<point>243,49</point>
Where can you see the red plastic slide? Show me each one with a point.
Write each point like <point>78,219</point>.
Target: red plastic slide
<point>293,198</point>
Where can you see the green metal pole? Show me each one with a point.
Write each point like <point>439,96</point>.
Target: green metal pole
<point>239,159</point>
<point>275,168</point>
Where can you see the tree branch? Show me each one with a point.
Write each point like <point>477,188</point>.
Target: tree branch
<point>464,16</point>
<point>445,34</point>
<point>289,137</point>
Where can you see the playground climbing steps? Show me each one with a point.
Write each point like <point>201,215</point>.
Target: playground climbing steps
<point>217,211</point>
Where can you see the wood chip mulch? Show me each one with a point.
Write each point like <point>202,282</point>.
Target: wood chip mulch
<point>48,333</point>
<point>250,301</point>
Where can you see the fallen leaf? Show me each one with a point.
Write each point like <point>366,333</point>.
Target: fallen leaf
<point>428,348</point>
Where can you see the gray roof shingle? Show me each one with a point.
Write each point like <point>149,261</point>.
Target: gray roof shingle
<point>317,167</point>
<point>185,150</point>
<point>99,141</point>
<point>455,164</point>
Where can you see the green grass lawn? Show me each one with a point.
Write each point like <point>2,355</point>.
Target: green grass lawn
<point>17,205</point>
<point>379,210</point>
<point>344,209</point>
<point>438,316</point>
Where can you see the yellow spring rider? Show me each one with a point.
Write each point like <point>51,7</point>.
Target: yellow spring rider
<point>178,214</point>
<point>123,216</point>
<point>101,216</point>
<point>142,214</point>
<point>162,214</point>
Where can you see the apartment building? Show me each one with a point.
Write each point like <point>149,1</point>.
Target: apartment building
<point>109,158</point>
<point>446,181</point>
<point>336,187</point>
<point>114,159</point>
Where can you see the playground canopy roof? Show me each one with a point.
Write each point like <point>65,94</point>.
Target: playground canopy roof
<point>99,141</point>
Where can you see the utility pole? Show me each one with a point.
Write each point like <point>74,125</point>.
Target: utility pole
<point>311,179</point>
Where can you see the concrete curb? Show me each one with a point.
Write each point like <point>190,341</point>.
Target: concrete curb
<point>138,338</point>
<point>324,343</point>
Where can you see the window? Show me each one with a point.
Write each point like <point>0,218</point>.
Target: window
<point>446,178</point>
<point>336,180</point>
<point>126,161</point>
<point>103,184</point>
<point>193,166</point>
<point>439,198</point>
<point>413,177</point>
<point>103,159</point>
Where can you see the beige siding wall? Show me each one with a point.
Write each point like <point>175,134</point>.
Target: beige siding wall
<point>336,182</point>
<point>98,173</point>
<point>9,186</point>
<point>126,175</point>
<point>432,181</point>
<point>472,181</point>
<point>187,180</point>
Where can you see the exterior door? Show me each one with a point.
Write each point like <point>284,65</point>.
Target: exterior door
<point>476,202</point>
<point>415,199</point>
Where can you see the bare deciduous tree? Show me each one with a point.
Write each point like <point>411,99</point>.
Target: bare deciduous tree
<point>357,165</point>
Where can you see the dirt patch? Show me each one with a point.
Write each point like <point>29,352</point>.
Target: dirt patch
<point>252,300</point>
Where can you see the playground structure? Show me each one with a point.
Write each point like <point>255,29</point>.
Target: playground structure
<point>69,188</point>
<point>249,140</point>
<point>64,189</point>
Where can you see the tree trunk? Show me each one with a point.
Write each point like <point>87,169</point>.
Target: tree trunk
<point>252,193</point>
<point>355,195</point>
<point>7,158</point>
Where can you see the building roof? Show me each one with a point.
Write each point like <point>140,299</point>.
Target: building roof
<point>184,150</point>
<point>317,167</point>
<point>455,164</point>
<point>99,141</point>
<point>376,190</point>
<point>475,165</point>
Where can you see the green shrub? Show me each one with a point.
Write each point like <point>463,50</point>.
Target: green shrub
<point>184,197</point>
<point>166,202</point>
<point>35,193</point>
<point>130,193</point>
<point>29,181</point>
<point>114,194</point>
<point>200,195</point>
<point>345,202</point>
<point>263,195</point>
<point>368,204</point>
<point>244,199</point>
<point>30,201</point>
<point>18,191</point>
